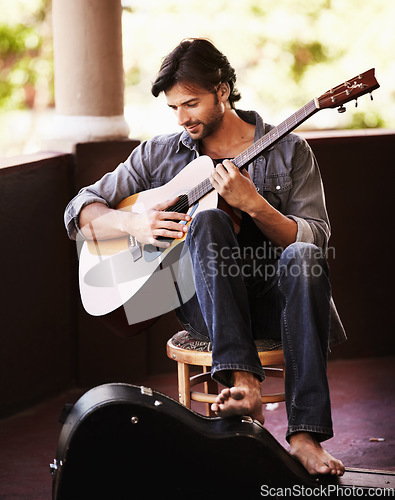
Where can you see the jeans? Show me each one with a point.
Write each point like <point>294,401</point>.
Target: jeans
<point>244,292</point>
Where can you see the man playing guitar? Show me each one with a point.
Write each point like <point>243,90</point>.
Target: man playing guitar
<point>280,201</point>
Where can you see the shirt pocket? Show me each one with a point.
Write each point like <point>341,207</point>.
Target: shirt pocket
<point>275,189</point>
<point>277,183</point>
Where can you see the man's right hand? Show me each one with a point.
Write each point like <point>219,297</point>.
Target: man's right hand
<point>156,223</point>
<point>97,221</point>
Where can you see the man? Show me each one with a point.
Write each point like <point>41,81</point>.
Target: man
<point>281,204</point>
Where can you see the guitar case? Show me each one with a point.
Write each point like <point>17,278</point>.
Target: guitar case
<point>121,441</point>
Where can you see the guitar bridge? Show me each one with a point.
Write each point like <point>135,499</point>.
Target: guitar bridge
<point>135,248</point>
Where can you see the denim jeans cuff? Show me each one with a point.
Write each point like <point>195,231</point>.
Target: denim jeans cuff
<point>319,433</point>
<point>222,373</point>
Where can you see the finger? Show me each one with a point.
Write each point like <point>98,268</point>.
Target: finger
<point>159,243</point>
<point>162,243</point>
<point>165,216</point>
<point>245,174</point>
<point>164,233</point>
<point>215,179</point>
<point>230,167</point>
<point>220,178</point>
<point>157,239</point>
<point>220,171</point>
<point>227,170</point>
<point>171,225</point>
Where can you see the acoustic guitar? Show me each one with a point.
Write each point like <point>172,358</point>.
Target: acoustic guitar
<point>113,272</point>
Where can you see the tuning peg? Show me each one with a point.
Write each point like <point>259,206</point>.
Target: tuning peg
<point>371,96</point>
<point>356,103</point>
<point>342,109</point>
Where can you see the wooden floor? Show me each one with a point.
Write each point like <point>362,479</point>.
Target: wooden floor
<point>363,409</point>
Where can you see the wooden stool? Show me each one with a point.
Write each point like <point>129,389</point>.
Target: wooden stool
<point>187,351</point>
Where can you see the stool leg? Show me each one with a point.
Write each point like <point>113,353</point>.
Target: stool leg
<point>210,387</point>
<point>184,389</point>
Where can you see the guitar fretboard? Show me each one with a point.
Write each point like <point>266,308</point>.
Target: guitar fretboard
<point>275,134</point>
<point>249,155</point>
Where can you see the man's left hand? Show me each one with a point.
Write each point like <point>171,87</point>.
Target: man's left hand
<point>235,186</point>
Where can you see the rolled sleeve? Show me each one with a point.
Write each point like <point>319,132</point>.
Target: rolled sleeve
<point>127,179</point>
<point>304,233</point>
<point>152,164</point>
<point>73,210</point>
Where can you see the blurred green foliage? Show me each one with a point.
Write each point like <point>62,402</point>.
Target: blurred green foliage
<point>25,55</point>
<point>18,46</point>
<point>304,55</point>
<point>284,52</point>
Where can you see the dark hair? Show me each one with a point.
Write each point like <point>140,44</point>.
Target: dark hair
<point>195,61</point>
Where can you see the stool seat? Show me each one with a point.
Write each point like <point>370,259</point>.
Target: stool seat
<point>187,352</point>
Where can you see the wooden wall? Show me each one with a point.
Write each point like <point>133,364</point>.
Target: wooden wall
<point>49,343</point>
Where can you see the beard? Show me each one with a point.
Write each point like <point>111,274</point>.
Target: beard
<point>200,129</point>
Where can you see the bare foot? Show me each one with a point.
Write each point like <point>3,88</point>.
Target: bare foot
<point>312,456</point>
<point>244,398</point>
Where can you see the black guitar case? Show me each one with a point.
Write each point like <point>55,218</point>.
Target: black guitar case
<point>121,441</point>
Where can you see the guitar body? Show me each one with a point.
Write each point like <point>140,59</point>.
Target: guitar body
<point>122,441</point>
<point>110,275</point>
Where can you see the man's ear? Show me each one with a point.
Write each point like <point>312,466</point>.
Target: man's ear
<point>224,91</point>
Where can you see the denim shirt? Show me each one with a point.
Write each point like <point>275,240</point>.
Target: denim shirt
<point>286,175</point>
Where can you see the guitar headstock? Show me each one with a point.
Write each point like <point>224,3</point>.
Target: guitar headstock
<point>349,90</point>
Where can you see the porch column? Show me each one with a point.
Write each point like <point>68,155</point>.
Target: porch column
<point>89,84</point>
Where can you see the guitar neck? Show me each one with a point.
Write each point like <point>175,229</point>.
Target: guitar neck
<point>265,142</point>
<point>275,134</point>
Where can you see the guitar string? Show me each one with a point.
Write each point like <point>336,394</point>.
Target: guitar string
<point>282,129</point>
<point>178,207</point>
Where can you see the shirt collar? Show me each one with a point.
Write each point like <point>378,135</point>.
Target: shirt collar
<point>188,142</point>
<point>255,119</point>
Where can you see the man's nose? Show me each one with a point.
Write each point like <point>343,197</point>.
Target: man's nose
<point>182,116</point>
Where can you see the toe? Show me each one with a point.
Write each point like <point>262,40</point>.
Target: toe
<point>323,469</point>
<point>223,396</point>
<point>215,407</point>
<point>237,394</point>
<point>219,399</point>
<point>339,468</point>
